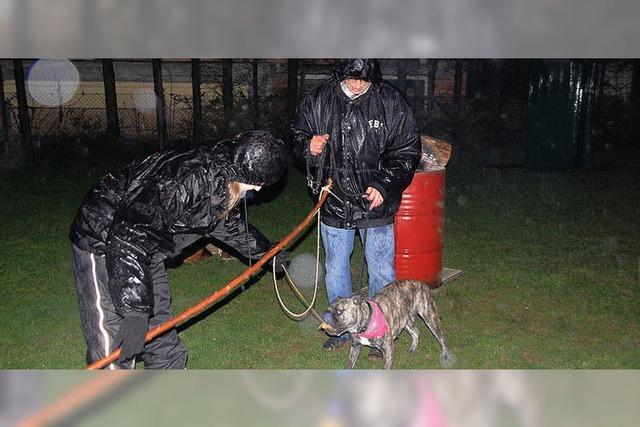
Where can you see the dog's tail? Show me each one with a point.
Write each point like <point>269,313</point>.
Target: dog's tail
<point>447,359</point>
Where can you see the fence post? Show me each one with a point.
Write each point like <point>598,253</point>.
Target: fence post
<point>227,91</point>
<point>256,94</point>
<point>5,117</point>
<point>457,82</point>
<point>196,117</point>
<point>161,116</point>
<point>110,99</point>
<point>401,74</point>
<point>432,67</point>
<point>292,89</point>
<point>23,109</point>
<point>634,101</point>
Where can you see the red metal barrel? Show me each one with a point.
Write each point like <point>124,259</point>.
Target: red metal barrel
<point>419,228</point>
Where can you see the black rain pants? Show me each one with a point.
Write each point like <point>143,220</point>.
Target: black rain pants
<point>100,322</point>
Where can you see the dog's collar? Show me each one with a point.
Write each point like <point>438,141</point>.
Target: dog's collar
<point>377,325</point>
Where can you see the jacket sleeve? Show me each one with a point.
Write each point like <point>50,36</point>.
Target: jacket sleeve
<point>401,155</point>
<point>303,127</point>
<point>129,251</point>
<point>251,245</point>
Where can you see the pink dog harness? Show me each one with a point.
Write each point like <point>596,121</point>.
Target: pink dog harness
<point>428,412</point>
<point>377,326</point>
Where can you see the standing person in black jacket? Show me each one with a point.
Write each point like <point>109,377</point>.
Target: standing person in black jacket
<point>358,130</point>
<point>150,210</point>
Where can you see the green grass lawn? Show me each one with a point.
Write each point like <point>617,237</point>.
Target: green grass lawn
<point>551,266</point>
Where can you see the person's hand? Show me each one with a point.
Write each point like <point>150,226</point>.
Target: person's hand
<point>279,260</point>
<point>374,197</point>
<point>131,337</point>
<point>316,146</point>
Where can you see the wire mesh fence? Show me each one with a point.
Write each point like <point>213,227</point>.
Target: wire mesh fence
<point>472,103</point>
<point>83,115</point>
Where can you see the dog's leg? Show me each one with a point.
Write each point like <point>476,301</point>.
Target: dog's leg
<point>431,318</point>
<point>388,352</point>
<point>354,352</point>
<point>412,330</point>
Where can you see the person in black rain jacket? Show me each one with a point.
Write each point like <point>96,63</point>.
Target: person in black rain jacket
<point>148,211</point>
<point>357,129</point>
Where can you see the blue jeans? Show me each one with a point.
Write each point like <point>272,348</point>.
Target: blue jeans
<point>379,253</point>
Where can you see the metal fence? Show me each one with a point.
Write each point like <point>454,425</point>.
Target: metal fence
<point>83,115</point>
<point>481,124</point>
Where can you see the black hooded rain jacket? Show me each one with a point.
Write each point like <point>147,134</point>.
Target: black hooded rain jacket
<point>373,142</point>
<point>167,202</point>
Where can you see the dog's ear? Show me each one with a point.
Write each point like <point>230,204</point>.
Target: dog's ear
<point>358,299</point>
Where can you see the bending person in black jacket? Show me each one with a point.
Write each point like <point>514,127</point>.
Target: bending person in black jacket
<point>359,130</point>
<point>148,211</point>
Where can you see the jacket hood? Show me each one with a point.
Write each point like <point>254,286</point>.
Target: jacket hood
<point>257,158</point>
<point>358,68</point>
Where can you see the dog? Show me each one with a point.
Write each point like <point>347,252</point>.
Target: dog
<point>378,322</point>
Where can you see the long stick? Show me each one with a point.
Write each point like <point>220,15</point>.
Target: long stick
<point>222,292</point>
<point>80,397</point>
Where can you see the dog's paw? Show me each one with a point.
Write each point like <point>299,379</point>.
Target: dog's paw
<point>447,360</point>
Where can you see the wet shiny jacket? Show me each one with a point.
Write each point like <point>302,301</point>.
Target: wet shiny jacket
<point>159,206</point>
<point>374,141</point>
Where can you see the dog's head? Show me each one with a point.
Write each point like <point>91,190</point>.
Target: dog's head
<point>346,315</point>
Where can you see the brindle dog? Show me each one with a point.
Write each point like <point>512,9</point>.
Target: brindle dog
<point>399,303</point>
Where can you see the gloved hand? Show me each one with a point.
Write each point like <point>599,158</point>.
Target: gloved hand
<point>279,260</point>
<point>131,337</point>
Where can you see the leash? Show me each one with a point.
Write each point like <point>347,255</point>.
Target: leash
<point>314,183</point>
<point>301,385</point>
<point>364,257</point>
<point>309,309</point>
<point>246,226</point>
<point>221,293</point>
<point>294,288</point>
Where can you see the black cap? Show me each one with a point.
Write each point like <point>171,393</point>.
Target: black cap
<point>358,68</point>
<point>257,158</point>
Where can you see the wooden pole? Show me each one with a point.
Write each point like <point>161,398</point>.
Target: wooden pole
<point>634,102</point>
<point>5,118</point>
<point>110,99</point>
<point>222,292</point>
<point>227,91</point>
<point>23,109</point>
<point>197,101</point>
<point>292,88</point>
<point>432,67</point>
<point>161,115</point>
<point>457,82</point>
<point>401,74</point>
<point>79,398</point>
